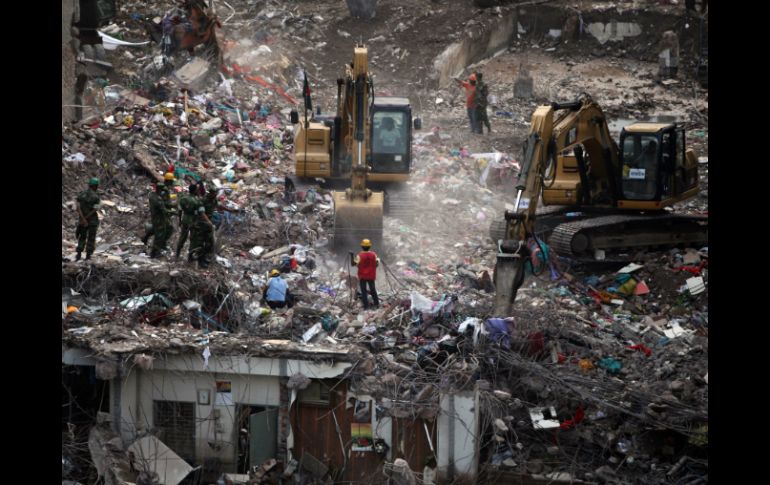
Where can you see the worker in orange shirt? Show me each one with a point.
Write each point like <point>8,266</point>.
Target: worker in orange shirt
<point>470,100</point>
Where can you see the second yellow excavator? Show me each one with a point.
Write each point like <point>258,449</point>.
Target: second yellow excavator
<point>602,198</point>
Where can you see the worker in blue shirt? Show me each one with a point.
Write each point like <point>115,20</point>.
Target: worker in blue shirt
<point>276,293</point>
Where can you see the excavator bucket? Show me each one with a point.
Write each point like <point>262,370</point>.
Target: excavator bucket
<point>357,219</point>
<point>508,277</point>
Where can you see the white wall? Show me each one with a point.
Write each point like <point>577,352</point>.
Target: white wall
<point>458,429</point>
<point>162,385</point>
<point>255,381</point>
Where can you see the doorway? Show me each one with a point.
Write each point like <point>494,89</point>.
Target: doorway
<point>257,432</point>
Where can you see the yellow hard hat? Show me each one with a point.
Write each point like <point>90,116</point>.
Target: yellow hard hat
<point>274,272</point>
<point>168,176</point>
<point>366,243</point>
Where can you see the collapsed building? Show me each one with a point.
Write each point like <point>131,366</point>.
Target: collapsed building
<point>173,374</point>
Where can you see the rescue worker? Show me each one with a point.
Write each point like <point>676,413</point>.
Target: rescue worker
<point>482,92</point>
<point>210,203</point>
<point>88,218</point>
<point>161,209</point>
<point>202,239</point>
<point>470,99</point>
<point>188,205</point>
<point>367,262</point>
<point>276,293</point>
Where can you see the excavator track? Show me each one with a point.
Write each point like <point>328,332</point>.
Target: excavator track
<point>580,239</point>
<point>547,217</point>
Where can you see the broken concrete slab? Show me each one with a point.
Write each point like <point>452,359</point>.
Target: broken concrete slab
<point>147,162</point>
<point>193,75</point>
<point>155,456</point>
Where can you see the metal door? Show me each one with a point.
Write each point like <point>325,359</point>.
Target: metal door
<point>263,436</point>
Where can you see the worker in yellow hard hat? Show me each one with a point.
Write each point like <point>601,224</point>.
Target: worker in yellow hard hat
<point>367,262</point>
<point>161,210</point>
<point>276,293</point>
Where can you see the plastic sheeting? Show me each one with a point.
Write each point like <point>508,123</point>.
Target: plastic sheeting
<point>500,331</point>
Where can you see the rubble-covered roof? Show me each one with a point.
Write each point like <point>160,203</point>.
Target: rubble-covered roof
<point>599,372</point>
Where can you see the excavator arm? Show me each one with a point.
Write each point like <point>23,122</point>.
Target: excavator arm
<point>358,211</point>
<point>580,128</point>
<point>512,251</point>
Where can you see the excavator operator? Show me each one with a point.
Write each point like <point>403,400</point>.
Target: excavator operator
<point>389,136</point>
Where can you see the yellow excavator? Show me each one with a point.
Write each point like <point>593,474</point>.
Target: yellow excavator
<point>368,142</point>
<point>601,199</point>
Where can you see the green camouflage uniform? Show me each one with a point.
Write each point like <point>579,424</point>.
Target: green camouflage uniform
<point>87,200</point>
<point>188,205</point>
<point>161,209</point>
<point>210,201</point>
<point>482,91</point>
<point>202,240</point>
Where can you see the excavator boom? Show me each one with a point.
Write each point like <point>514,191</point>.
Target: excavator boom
<point>358,211</point>
<point>512,251</point>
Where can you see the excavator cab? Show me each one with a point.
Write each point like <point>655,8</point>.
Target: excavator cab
<point>391,153</point>
<point>656,169</point>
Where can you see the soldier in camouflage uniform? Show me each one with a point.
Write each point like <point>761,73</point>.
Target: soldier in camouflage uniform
<point>210,203</point>
<point>188,205</point>
<point>482,91</point>
<point>202,239</point>
<point>161,210</point>
<point>88,218</point>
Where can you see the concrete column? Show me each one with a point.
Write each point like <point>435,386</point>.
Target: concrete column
<point>458,435</point>
<point>668,58</point>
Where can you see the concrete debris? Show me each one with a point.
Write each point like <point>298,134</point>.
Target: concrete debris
<point>500,425</point>
<point>106,370</point>
<point>143,361</point>
<point>611,359</point>
<point>544,417</point>
<point>192,75</point>
<point>298,381</point>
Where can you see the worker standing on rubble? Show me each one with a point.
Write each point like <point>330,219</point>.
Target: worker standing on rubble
<point>88,218</point>
<point>470,100</point>
<point>188,204</point>
<point>367,262</point>
<point>202,239</point>
<point>482,92</point>
<point>161,209</point>
<point>210,203</point>
<point>276,293</point>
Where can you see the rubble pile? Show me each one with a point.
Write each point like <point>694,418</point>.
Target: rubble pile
<point>601,372</point>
